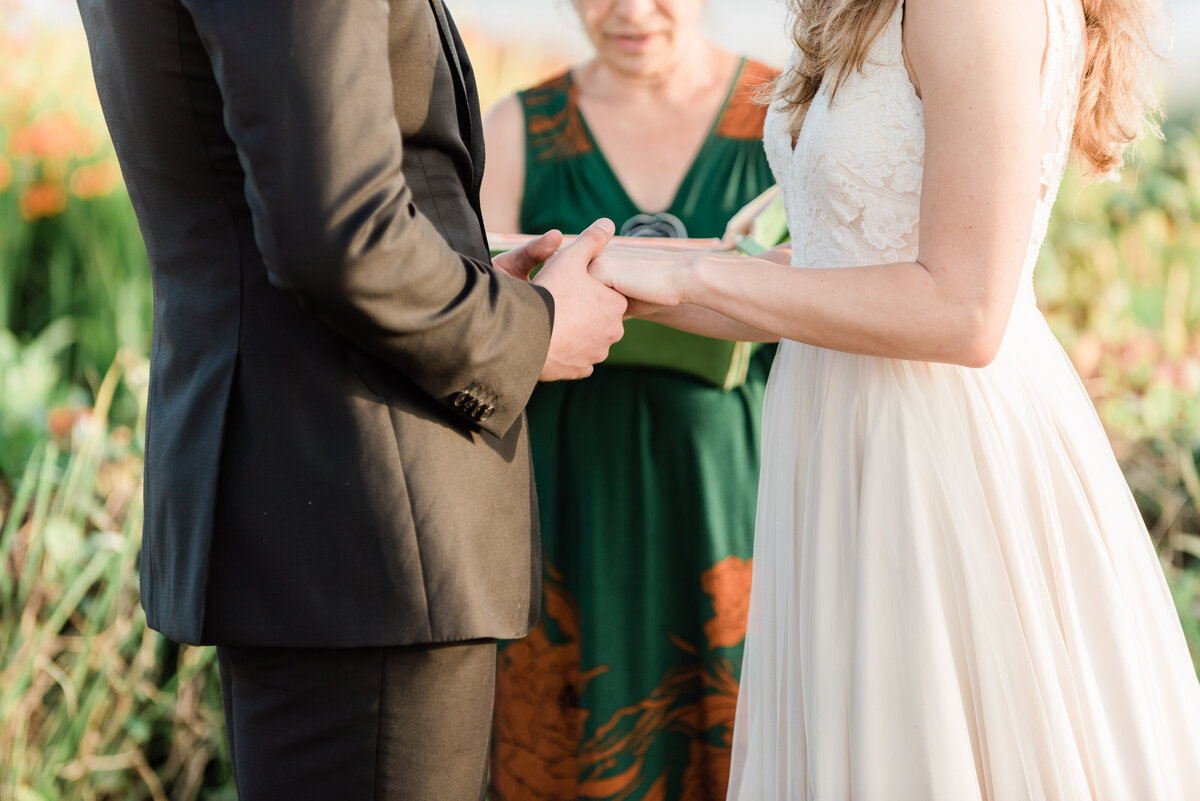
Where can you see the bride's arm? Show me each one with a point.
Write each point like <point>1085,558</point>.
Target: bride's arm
<point>697,319</point>
<point>979,68</point>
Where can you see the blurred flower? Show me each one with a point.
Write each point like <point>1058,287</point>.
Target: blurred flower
<point>1164,374</point>
<point>1088,354</point>
<point>54,170</point>
<point>42,200</point>
<point>1186,374</point>
<point>1138,355</point>
<point>66,422</point>
<point>121,438</point>
<point>6,173</point>
<point>55,135</point>
<point>95,180</point>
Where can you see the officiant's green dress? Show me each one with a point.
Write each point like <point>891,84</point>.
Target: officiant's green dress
<point>647,481</point>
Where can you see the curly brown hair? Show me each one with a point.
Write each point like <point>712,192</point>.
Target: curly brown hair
<point>833,38</point>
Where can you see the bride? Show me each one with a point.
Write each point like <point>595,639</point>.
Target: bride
<point>954,595</point>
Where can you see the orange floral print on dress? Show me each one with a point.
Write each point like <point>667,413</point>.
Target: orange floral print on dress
<point>539,750</point>
<point>558,135</point>
<point>707,774</point>
<point>539,722</point>
<point>728,584</point>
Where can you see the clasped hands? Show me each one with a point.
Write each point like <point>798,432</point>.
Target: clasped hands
<point>594,291</point>
<point>596,287</point>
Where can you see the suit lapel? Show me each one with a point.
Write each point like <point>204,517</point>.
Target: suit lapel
<point>466,98</point>
<point>439,11</point>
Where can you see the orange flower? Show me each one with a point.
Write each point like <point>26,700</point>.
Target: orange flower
<point>61,422</point>
<point>42,200</point>
<point>538,749</point>
<point>728,583</point>
<point>95,180</point>
<point>657,791</point>
<point>55,135</point>
<point>1187,376</point>
<point>720,700</point>
<point>1141,350</point>
<point>538,722</point>
<point>6,173</point>
<point>1088,354</point>
<point>707,774</point>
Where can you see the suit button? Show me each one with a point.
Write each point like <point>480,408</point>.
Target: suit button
<point>486,412</point>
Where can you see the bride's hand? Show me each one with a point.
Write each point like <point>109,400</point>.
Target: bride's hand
<point>653,277</point>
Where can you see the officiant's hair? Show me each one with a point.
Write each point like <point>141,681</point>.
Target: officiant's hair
<point>1116,105</point>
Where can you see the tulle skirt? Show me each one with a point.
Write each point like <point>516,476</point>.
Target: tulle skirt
<point>954,595</point>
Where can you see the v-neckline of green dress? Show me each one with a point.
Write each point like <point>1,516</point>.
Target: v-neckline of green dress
<point>689,177</point>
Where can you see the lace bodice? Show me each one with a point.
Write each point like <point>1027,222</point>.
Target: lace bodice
<point>852,182</point>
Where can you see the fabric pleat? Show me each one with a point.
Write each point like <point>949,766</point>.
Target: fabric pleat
<point>955,596</point>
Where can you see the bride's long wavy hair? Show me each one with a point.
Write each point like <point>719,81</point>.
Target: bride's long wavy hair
<point>834,37</point>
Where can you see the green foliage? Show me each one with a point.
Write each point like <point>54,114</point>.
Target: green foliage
<point>1119,281</point>
<point>1185,589</point>
<point>94,705</point>
<point>31,382</point>
<point>69,246</point>
<point>86,264</point>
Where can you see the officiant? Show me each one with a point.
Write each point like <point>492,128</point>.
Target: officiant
<point>647,470</point>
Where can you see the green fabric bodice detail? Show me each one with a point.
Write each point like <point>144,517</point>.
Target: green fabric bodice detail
<point>569,183</point>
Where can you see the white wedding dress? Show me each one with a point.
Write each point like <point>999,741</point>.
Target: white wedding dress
<point>954,596</point>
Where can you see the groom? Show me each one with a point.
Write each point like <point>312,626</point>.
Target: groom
<point>338,488</point>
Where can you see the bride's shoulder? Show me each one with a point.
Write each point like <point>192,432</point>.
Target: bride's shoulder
<point>948,41</point>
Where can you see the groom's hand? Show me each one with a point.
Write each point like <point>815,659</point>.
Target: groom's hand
<point>519,262</point>
<point>587,314</point>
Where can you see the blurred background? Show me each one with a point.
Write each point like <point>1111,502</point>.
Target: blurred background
<point>95,706</point>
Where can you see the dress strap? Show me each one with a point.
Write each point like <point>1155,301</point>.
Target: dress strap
<point>554,129</point>
<point>745,108</point>
<point>1061,84</point>
<point>890,46</point>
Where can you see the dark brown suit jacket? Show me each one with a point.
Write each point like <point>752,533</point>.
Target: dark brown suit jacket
<point>336,450</point>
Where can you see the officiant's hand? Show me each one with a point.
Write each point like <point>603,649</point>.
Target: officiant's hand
<point>742,223</point>
<point>587,314</point>
<point>519,262</point>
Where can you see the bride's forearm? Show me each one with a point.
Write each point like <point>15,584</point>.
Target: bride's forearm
<point>706,322</point>
<point>893,310</point>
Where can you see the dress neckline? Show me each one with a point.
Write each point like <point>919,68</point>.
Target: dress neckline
<point>689,177</point>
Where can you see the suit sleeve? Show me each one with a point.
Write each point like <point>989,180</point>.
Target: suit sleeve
<point>307,90</point>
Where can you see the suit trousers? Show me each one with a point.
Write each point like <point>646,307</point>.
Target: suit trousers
<point>362,724</point>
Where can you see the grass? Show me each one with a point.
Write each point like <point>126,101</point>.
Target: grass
<point>93,704</point>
